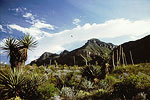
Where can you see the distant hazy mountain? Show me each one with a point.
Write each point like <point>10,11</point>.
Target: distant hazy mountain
<point>134,51</point>
<point>94,51</point>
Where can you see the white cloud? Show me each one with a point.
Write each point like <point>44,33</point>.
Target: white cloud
<point>18,10</point>
<point>25,8</point>
<point>39,24</point>
<point>2,29</point>
<point>33,31</point>
<point>36,27</point>
<point>76,21</point>
<point>30,18</point>
<point>28,15</point>
<point>109,29</point>
<point>1,52</point>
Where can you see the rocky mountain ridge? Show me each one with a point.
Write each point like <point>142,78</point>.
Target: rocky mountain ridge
<point>93,51</point>
<point>133,52</point>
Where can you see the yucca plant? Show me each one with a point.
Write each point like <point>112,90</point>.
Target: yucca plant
<point>11,83</point>
<point>20,83</point>
<point>17,49</point>
<point>25,43</point>
<point>11,47</point>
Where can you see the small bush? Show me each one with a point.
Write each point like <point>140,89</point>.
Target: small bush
<point>69,93</point>
<point>15,98</point>
<point>103,84</point>
<point>119,70</point>
<point>92,72</point>
<point>48,90</point>
<point>140,96</point>
<point>86,85</point>
<point>130,86</point>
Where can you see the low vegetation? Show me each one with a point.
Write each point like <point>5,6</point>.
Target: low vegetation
<point>69,83</point>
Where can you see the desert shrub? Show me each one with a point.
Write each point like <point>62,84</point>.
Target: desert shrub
<point>52,68</point>
<point>75,67</point>
<point>92,72</point>
<point>119,70</point>
<point>47,90</point>
<point>73,79</point>
<point>134,69</point>
<point>61,67</point>
<point>140,96</point>
<point>95,95</point>
<point>66,79</point>
<point>111,80</point>
<point>19,83</point>
<point>69,93</point>
<point>39,70</point>
<point>15,98</point>
<point>51,78</point>
<point>130,86</point>
<point>124,90</point>
<point>103,84</point>
<point>34,80</point>
<point>27,67</point>
<point>59,81</point>
<point>86,85</point>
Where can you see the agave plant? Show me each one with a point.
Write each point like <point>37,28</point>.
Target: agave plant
<point>17,49</point>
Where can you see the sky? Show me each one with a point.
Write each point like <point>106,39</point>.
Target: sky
<point>60,25</point>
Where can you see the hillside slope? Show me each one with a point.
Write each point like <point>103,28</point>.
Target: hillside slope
<point>94,51</point>
<point>134,51</point>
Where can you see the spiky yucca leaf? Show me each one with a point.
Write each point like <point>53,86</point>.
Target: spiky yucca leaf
<point>10,44</point>
<point>20,83</point>
<point>28,42</point>
<point>11,82</point>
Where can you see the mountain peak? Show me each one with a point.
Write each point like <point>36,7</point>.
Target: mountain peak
<point>95,42</point>
<point>64,52</point>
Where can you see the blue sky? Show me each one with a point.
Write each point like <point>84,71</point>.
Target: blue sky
<point>68,24</point>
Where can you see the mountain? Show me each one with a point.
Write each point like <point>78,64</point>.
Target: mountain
<point>133,51</point>
<point>94,51</point>
<point>45,58</point>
